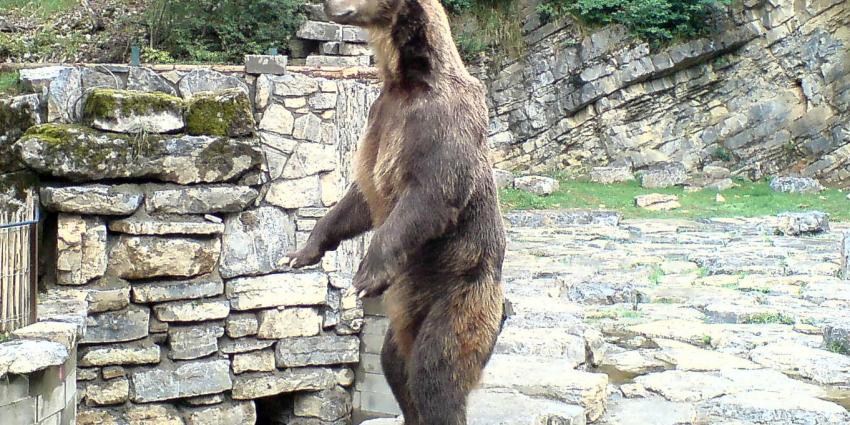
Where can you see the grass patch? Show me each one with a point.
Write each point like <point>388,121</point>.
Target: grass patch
<point>838,347</point>
<point>764,318</point>
<point>706,340</point>
<point>9,82</point>
<point>656,275</point>
<point>39,8</point>
<point>747,200</point>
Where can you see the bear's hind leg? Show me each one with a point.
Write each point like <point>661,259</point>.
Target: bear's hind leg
<point>451,349</point>
<point>395,371</point>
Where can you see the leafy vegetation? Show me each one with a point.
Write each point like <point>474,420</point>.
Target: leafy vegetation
<point>486,26</point>
<point>747,200</point>
<point>838,347</point>
<point>9,84</point>
<point>40,8</point>
<point>763,318</point>
<point>656,21</point>
<point>219,30</point>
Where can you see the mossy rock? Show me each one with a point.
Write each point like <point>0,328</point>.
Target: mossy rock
<point>16,116</point>
<point>225,113</point>
<point>80,153</point>
<point>128,111</point>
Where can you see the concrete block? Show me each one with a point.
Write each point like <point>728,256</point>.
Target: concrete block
<point>19,412</point>
<point>13,388</point>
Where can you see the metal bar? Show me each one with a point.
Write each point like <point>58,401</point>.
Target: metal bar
<point>34,270</point>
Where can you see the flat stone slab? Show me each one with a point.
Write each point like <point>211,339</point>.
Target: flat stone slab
<point>192,311</point>
<point>81,154</point>
<point>145,257</point>
<point>23,356</point>
<point>182,380</point>
<point>175,290</point>
<point>166,225</point>
<point>133,112</point>
<point>319,350</point>
<point>92,199</point>
<point>224,113</point>
<point>277,290</point>
<point>562,218</point>
<point>256,242</point>
<point>133,353</point>
<point>128,324</point>
<point>199,199</point>
<point>249,386</point>
<point>499,407</point>
<point>266,64</point>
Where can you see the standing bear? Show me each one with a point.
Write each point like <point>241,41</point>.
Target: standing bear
<point>423,183</point>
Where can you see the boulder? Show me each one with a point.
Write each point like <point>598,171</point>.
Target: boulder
<point>133,112</point>
<point>147,80</point>
<point>207,80</point>
<point>662,175</point>
<point>185,379</point>
<point>144,257</point>
<point>537,185</point>
<point>657,202</point>
<point>95,199</point>
<point>795,185</point>
<point>608,175</point>
<point>224,113</point>
<point>38,79</point>
<point>82,154</point>
<point>803,223</point>
<point>256,242</point>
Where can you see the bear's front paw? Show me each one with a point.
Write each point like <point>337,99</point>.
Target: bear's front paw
<point>371,280</point>
<point>307,256</point>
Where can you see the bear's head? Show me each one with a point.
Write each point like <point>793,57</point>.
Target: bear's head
<point>362,13</point>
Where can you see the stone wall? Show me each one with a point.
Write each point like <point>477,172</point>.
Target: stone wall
<point>38,364</point>
<point>176,193</point>
<point>768,94</point>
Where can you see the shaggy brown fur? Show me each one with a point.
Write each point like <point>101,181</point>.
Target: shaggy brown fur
<point>424,183</point>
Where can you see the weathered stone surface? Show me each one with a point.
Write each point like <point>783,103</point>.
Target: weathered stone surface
<point>257,385</point>
<point>134,353</point>
<point>166,225</point>
<point>297,193</point>
<point>319,31</point>
<point>175,290</point>
<point>224,113</point>
<point>266,64</point>
<point>92,199</point>
<point>191,342</point>
<point>117,326</point>
<point>63,96</point>
<point>796,224</point>
<point>107,294</point>
<point>504,179</point>
<point>254,361</point>
<point>837,336</point>
<point>310,158</point>
<point>67,151</point>
<point>114,391</point>
<point>537,185</point>
<point>675,385</point>
<point>205,400</point>
<point>206,80</point>
<point>199,199</point>
<point>147,80</point>
<point>277,290</point>
<point>133,112</point>
<point>662,175</point>
<point>292,84</point>
<point>795,185</point>
<point>317,350</point>
<point>771,407</point>
<point>59,332</point>
<point>192,311</point>
<point>608,175</point>
<point>277,119</point>
<point>327,405</point>
<point>256,242</point>
<point>23,356</point>
<point>186,379</point>
<point>289,322</point>
<point>320,61</point>
<point>543,218</point>
<point>144,257</point>
<point>243,345</point>
<point>80,249</point>
<point>820,366</point>
<point>353,34</point>
<point>231,413</point>
<point>150,414</point>
<point>505,407</point>
<point>548,379</point>
<point>239,325</point>
<point>17,114</point>
<point>657,202</point>
<point>845,255</point>
<point>36,79</point>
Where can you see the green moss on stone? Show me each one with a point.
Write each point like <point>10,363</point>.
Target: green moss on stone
<point>111,104</point>
<point>220,114</point>
<point>220,153</point>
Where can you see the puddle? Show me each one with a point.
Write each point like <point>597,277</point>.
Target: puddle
<point>616,376</point>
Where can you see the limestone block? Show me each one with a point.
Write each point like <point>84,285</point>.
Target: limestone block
<point>317,350</point>
<point>224,113</point>
<point>93,199</point>
<point>133,112</point>
<point>191,342</point>
<point>133,353</point>
<point>147,80</point>
<point>128,324</point>
<point>230,413</point>
<point>207,80</point>
<point>657,202</point>
<point>277,290</point>
<point>277,119</point>
<point>244,324</point>
<point>538,185</point>
<point>795,185</point>
<point>289,322</point>
<point>796,224</point>
<point>248,386</point>
<point>265,64</point>
<point>256,242</point>
<point>297,193</point>
<point>80,249</point>
<point>327,405</point>
<point>175,290</point>
<point>114,391</point>
<point>192,311</point>
<point>199,199</point>
<point>24,356</point>
<point>185,379</point>
<point>144,257</point>
<point>166,225</point>
<point>254,361</point>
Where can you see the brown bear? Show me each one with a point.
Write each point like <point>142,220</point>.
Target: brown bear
<point>423,183</point>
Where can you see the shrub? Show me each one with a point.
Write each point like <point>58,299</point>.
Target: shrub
<point>656,21</point>
<point>221,30</point>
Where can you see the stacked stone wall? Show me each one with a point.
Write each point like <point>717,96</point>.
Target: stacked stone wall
<point>175,196</point>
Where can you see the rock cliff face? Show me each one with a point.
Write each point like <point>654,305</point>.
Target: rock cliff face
<point>768,93</point>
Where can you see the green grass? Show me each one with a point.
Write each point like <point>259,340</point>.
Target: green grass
<point>747,200</point>
<point>40,8</point>
<point>763,318</point>
<point>9,82</point>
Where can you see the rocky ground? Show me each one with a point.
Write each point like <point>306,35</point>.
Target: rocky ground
<point>657,322</point>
